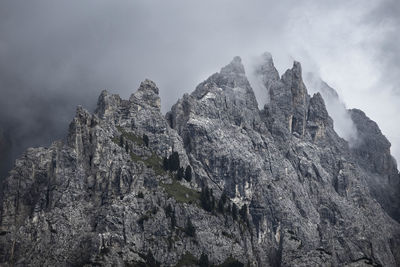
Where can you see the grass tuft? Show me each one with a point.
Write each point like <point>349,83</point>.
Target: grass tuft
<point>131,136</point>
<point>181,193</point>
<point>155,162</point>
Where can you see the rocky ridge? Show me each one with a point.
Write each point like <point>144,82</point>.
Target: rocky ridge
<point>271,187</point>
<point>5,149</point>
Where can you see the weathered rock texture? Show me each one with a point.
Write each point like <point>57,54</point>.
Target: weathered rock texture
<point>373,154</point>
<point>343,125</point>
<point>5,150</point>
<point>279,186</point>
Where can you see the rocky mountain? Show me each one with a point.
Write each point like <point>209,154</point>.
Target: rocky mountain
<point>344,125</point>
<point>5,150</point>
<point>215,182</point>
<point>373,154</point>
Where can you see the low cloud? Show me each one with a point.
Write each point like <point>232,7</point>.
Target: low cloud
<point>343,124</point>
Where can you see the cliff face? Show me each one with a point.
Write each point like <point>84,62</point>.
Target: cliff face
<point>373,153</point>
<point>5,149</point>
<point>276,187</point>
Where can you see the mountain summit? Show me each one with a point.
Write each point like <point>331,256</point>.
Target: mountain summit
<point>214,182</point>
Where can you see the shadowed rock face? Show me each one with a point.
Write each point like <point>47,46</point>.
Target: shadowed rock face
<point>5,149</point>
<point>279,187</point>
<point>344,125</point>
<point>373,153</point>
<point>373,150</point>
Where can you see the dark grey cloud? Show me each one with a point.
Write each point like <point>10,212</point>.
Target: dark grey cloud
<point>55,55</point>
<point>387,16</point>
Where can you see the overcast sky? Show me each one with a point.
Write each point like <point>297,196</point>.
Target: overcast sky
<point>55,55</point>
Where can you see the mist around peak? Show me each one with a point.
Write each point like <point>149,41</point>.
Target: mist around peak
<point>343,124</point>
<point>263,75</point>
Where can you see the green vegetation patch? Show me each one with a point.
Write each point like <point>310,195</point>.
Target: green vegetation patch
<point>135,157</point>
<point>187,259</point>
<point>155,162</point>
<point>116,140</point>
<point>131,136</point>
<point>181,193</point>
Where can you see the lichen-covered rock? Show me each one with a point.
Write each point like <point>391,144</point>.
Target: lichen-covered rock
<point>276,187</point>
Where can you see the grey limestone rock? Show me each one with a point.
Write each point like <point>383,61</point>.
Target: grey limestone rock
<point>344,125</point>
<point>271,187</point>
<point>5,149</point>
<point>372,152</point>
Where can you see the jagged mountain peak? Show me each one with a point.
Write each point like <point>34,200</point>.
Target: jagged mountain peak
<point>372,151</point>
<point>343,122</point>
<point>291,104</point>
<point>266,69</point>
<point>297,68</point>
<point>232,76</point>
<point>319,85</point>
<point>289,99</point>
<point>294,78</point>
<point>267,56</point>
<point>234,67</point>
<point>217,179</point>
<point>225,96</point>
<point>373,146</point>
<point>147,94</point>
<point>148,85</point>
<point>107,104</point>
<point>230,85</point>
